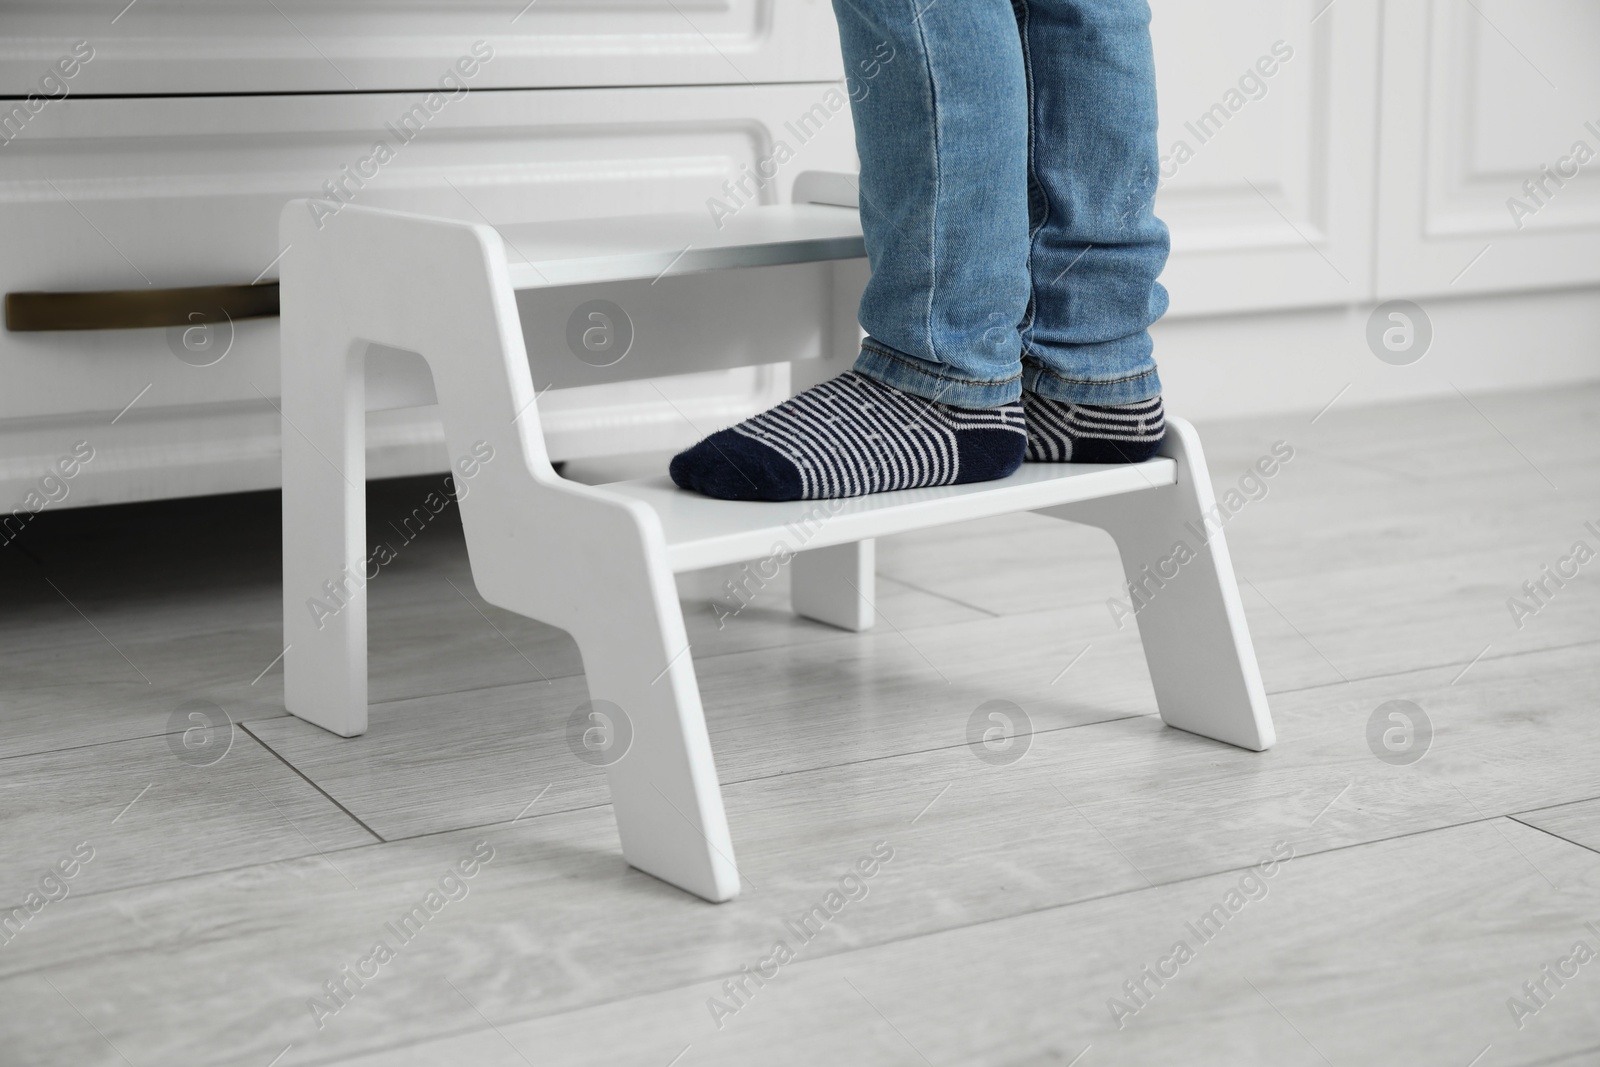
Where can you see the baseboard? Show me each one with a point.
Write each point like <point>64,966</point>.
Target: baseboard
<point>1260,364</point>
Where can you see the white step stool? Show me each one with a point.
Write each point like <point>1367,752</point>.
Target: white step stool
<point>598,561</point>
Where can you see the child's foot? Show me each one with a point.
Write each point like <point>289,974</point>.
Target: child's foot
<point>849,436</point>
<point>1059,432</point>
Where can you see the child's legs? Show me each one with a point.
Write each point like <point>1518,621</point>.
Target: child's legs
<point>941,117</point>
<point>1093,166</point>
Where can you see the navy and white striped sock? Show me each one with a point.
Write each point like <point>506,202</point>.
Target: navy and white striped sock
<point>849,436</point>
<point>1060,432</point>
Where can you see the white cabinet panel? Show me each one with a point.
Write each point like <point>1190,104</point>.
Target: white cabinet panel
<point>230,46</point>
<point>128,193</point>
<point>165,192</point>
<point>1267,112</point>
<point>1490,108</point>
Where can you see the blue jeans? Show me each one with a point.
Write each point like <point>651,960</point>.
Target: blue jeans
<point>1008,169</point>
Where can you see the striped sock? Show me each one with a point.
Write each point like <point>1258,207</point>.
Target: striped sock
<point>1060,432</point>
<point>849,436</point>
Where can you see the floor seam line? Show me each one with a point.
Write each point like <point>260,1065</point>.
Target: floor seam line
<point>1552,833</point>
<point>321,791</point>
<point>942,596</point>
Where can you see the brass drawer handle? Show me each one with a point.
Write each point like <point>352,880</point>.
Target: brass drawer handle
<point>134,309</point>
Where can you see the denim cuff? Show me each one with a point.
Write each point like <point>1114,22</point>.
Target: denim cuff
<point>1127,389</point>
<point>932,381</point>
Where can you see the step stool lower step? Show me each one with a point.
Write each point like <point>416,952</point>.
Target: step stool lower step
<point>703,532</point>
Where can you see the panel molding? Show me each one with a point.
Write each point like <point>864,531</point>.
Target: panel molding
<point>1444,226</point>
<point>241,46</point>
<point>1280,215</point>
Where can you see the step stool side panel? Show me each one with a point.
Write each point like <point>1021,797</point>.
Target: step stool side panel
<point>351,278</point>
<point>664,790</point>
<point>1185,599</point>
<point>552,550</point>
<point>324,493</point>
<point>836,585</point>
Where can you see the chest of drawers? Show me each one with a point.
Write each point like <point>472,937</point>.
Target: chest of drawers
<point>163,162</point>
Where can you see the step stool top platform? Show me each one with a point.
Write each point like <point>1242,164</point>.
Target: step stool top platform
<point>580,251</point>
<point>702,532</point>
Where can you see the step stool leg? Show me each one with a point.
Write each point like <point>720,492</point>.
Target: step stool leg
<point>1184,597</point>
<point>663,782</point>
<point>836,585</point>
<point>324,514</point>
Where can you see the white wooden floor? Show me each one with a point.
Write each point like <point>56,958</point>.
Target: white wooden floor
<point>1019,899</point>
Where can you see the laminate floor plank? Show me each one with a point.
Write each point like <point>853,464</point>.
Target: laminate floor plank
<point>530,916</point>
<point>118,674</point>
<point>563,925</point>
<point>1404,951</point>
<point>1398,484</point>
<point>1174,806</point>
<point>466,759</point>
<point>151,810</point>
<point>1278,537</point>
<point>1386,612</point>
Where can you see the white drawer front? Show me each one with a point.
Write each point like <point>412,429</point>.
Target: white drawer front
<point>229,46</point>
<point>124,194</point>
